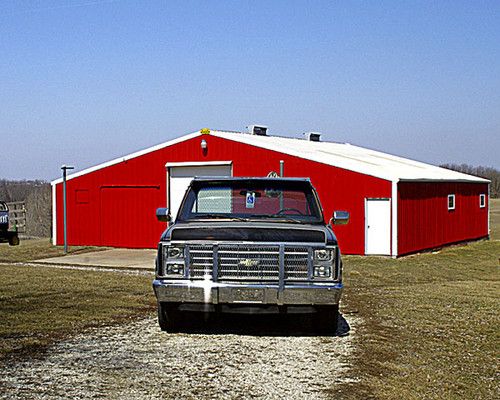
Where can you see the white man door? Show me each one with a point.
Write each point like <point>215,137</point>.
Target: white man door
<point>180,175</point>
<point>378,226</point>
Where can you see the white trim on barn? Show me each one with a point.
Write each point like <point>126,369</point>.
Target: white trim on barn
<point>196,163</point>
<point>394,225</point>
<point>54,215</point>
<point>128,157</point>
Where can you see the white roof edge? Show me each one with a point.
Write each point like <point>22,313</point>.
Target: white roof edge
<point>127,157</point>
<point>197,163</point>
<point>477,180</point>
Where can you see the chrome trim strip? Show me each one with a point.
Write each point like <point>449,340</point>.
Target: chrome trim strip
<point>281,285</point>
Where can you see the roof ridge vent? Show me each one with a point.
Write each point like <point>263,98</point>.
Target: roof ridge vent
<point>260,130</point>
<point>313,136</point>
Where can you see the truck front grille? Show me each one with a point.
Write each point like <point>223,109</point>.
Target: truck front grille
<point>248,262</point>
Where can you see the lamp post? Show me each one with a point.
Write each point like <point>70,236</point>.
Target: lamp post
<point>64,169</point>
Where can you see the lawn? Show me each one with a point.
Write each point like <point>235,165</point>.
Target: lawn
<point>39,305</point>
<point>431,324</point>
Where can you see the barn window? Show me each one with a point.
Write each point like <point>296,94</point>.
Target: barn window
<point>482,200</point>
<point>451,202</point>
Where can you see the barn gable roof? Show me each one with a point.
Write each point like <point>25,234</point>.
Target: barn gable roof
<point>353,158</point>
<point>341,155</point>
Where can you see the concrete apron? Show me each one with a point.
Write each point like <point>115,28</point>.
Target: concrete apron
<point>113,258</point>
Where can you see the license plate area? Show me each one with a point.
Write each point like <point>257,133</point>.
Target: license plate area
<point>247,295</point>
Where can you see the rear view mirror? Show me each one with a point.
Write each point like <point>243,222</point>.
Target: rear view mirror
<point>163,215</point>
<point>340,218</point>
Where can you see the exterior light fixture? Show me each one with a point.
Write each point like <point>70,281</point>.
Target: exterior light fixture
<point>204,145</point>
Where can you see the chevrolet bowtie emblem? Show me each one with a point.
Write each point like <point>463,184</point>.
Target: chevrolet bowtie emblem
<point>248,262</point>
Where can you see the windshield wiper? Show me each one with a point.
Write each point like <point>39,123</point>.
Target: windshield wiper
<point>283,218</point>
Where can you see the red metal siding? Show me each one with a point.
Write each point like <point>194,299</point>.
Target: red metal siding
<point>338,189</point>
<point>424,221</point>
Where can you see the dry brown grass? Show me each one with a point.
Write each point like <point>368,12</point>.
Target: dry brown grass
<point>431,322</point>
<point>34,249</point>
<point>39,305</point>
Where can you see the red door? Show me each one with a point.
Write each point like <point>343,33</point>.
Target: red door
<point>127,216</point>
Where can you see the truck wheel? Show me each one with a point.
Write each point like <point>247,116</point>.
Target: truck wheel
<point>169,317</point>
<point>326,319</point>
<point>14,240</point>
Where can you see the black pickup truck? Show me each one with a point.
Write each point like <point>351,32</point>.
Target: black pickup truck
<point>5,234</point>
<point>248,245</point>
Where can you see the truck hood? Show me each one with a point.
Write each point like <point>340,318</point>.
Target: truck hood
<point>253,232</point>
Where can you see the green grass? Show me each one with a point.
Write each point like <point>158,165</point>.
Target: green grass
<point>39,305</point>
<point>34,249</point>
<point>495,218</point>
<point>430,322</point>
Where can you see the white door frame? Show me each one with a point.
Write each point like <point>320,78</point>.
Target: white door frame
<point>169,165</point>
<point>367,199</point>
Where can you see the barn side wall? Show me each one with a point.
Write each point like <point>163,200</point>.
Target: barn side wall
<point>424,221</point>
<point>100,214</point>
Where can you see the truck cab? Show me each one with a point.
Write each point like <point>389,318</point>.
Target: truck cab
<point>248,245</point>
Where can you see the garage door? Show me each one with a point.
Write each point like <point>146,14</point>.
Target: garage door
<point>127,216</point>
<point>179,178</point>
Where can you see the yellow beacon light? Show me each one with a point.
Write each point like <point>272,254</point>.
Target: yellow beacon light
<point>205,131</point>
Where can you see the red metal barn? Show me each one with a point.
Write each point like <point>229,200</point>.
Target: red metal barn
<point>397,206</point>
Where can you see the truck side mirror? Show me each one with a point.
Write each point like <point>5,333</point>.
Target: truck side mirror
<point>163,214</point>
<point>340,218</point>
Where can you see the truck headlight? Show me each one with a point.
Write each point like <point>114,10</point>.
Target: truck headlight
<point>322,271</point>
<point>175,252</point>
<point>324,262</point>
<point>174,269</point>
<point>173,260</point>
<point>323,254</point>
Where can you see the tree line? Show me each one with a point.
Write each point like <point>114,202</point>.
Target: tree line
<point>484,172</point>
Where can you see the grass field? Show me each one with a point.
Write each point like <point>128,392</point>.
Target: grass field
<point>431,322</point>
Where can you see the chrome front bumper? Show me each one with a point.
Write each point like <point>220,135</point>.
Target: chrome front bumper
<point>209,292</point>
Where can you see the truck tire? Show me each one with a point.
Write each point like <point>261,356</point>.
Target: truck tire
<point>169,317</point>
<point>14,240</point>
<point>326,319</point>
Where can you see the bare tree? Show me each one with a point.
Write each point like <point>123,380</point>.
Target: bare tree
<point>484,172</point>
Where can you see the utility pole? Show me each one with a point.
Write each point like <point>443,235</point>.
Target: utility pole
<point>64,169</point>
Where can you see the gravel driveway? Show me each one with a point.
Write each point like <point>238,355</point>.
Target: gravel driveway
<point>138,361</point>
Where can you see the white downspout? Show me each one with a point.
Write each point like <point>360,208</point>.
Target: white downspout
<point>394,227</point>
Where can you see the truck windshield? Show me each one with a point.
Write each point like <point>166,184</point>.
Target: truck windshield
<point>286,201</point>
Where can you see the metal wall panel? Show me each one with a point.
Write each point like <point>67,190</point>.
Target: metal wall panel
<point>424,221</point>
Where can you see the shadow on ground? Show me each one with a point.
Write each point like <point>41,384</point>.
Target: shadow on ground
<point>263,325</point>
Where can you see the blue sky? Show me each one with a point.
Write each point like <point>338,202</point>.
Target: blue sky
<point>83,81</point>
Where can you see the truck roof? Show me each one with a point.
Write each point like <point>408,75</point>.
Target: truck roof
<point>248,178</point>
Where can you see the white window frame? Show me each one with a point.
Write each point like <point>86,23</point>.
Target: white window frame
<point>451,196</point>
<point>482,200</point>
